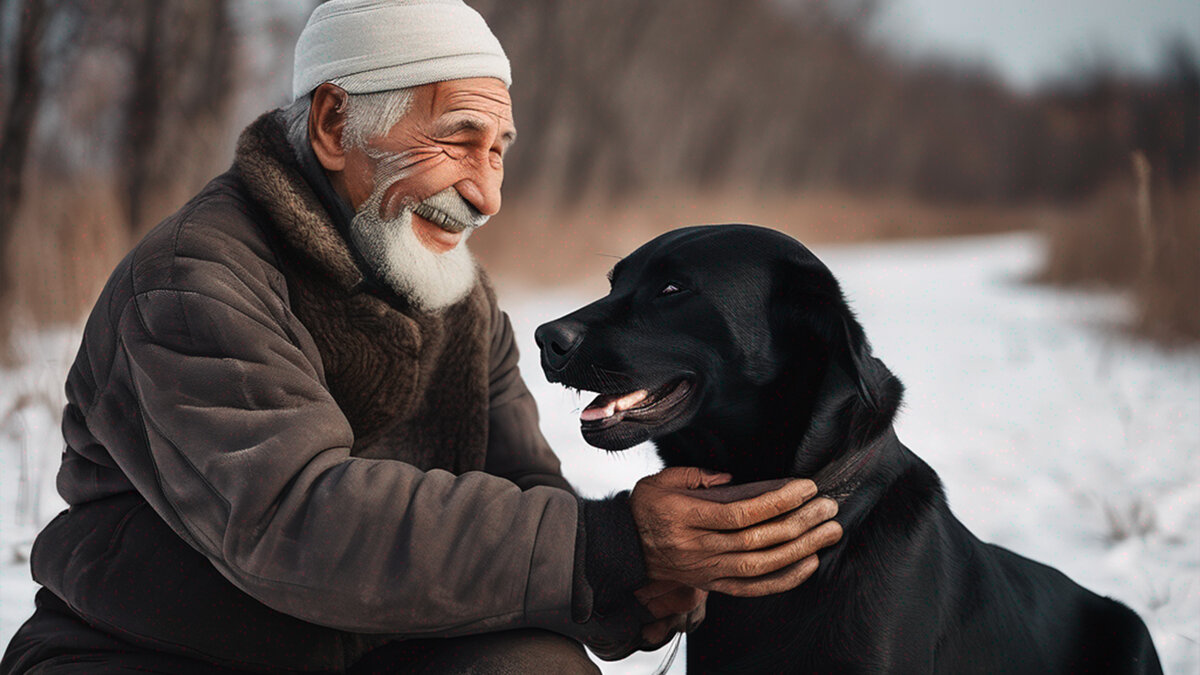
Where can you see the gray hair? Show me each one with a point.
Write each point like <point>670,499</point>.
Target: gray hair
<point>368,116</point>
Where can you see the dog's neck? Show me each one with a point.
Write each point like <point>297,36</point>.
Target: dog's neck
<point>845,437</point>
<point>811,423</point>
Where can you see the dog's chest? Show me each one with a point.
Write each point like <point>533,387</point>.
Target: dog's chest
<point>833,623</point>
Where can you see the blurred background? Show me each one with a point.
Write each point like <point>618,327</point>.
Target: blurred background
<point>1054,144</point>
<point>837,121</point>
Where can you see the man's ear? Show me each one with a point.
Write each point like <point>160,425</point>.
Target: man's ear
<point>326,124</point>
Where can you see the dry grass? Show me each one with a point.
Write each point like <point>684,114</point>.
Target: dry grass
<point>67,240</point>
<point>1167,295</point>
<point>1134,519</point>
<point>531,243</point>
<point>1139,235</point>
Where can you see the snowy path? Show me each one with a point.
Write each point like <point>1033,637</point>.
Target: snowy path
<point>1053,434</point>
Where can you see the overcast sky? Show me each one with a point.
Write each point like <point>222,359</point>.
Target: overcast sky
<point>1030,40</point>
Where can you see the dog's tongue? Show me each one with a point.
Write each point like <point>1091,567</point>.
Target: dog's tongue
<point>607,405</point>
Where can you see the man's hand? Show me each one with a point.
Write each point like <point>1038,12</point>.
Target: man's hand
<point>756,546</point>
<point>676,608</point>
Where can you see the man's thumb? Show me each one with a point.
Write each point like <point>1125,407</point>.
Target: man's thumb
<point>690,478</point>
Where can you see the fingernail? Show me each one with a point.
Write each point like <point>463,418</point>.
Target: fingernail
<point>807,486</point>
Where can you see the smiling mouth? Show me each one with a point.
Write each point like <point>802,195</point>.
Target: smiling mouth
<point>433,236</point>
<point>440,218</point>
<point>643,407</point>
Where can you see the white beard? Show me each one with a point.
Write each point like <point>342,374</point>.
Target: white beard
<point>430,281</point>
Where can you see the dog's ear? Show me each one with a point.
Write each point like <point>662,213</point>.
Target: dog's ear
<point>807,304</point>
<point>855,354</point>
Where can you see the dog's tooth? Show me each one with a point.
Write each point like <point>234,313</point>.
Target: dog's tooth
<point>629,400</point>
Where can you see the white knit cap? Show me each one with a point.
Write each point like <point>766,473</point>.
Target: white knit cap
<point>366,46</point>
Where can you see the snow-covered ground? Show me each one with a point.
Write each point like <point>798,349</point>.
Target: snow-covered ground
<point>1056,436</point>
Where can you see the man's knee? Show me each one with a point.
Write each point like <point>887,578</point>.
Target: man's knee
<point>533,651</point>
<point>510,652</point>
<point>55,641</point>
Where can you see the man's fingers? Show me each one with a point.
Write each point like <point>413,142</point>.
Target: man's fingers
<point>655,634</point>
<point>656,588</point>
<point>682,601</point>
<point>695,618</point>
<point>747,512</point>
<point>777,530</point>
<point>777,582</point>
<point>766,561</point>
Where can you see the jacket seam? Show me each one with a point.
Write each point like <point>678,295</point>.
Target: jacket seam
<point>533,550</point>
<point>185,220</point>
<point>143,423</point>
<point>205,296</point>
<point>121,524</point>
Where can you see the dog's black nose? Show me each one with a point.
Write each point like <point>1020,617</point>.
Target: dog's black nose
<point>558,341</point>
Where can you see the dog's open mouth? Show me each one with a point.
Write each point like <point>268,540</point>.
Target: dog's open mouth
<point>647,408</point>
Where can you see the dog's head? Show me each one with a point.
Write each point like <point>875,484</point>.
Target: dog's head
<point>728,328</point>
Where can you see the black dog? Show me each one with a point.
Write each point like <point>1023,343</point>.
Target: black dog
<point>732,348</point>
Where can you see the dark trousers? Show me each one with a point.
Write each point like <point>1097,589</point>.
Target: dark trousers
<point>56,641</point>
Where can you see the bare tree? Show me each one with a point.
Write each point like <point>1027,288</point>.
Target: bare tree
<point>182,63</point>
<point>143,110</point>
<point>19,120</point>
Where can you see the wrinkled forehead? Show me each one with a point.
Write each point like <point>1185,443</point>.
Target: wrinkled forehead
<point>479,96</point>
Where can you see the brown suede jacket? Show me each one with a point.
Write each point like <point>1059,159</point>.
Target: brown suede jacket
<point>271,464</point>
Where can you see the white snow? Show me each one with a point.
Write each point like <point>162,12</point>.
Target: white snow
<point>1056,435</point>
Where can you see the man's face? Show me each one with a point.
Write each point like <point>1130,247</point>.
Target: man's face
<point>455,134</point>
<point>422,188</point>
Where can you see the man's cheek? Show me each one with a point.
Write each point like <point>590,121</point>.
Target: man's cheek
<point>393,202</point>
<point>418,182</point>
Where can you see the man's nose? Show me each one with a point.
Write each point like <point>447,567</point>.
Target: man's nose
<point>482,189</point>
<point>558,342</point>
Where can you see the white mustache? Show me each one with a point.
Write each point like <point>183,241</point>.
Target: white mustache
<point>449,211</point>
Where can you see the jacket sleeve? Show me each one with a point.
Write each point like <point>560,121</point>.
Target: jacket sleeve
<point>248,461</point>
<point>516,448</point>
<point>608,554</point>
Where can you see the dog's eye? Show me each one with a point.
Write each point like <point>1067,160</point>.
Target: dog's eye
<point>669,289</point>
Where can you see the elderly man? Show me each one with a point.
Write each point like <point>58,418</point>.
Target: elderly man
<point>296,434</point>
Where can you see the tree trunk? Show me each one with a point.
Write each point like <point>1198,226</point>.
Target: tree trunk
<point>142,114</point>
<point>19,122</point>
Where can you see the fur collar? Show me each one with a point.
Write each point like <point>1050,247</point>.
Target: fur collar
<point>413,385</point>
<point>267,166</point>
